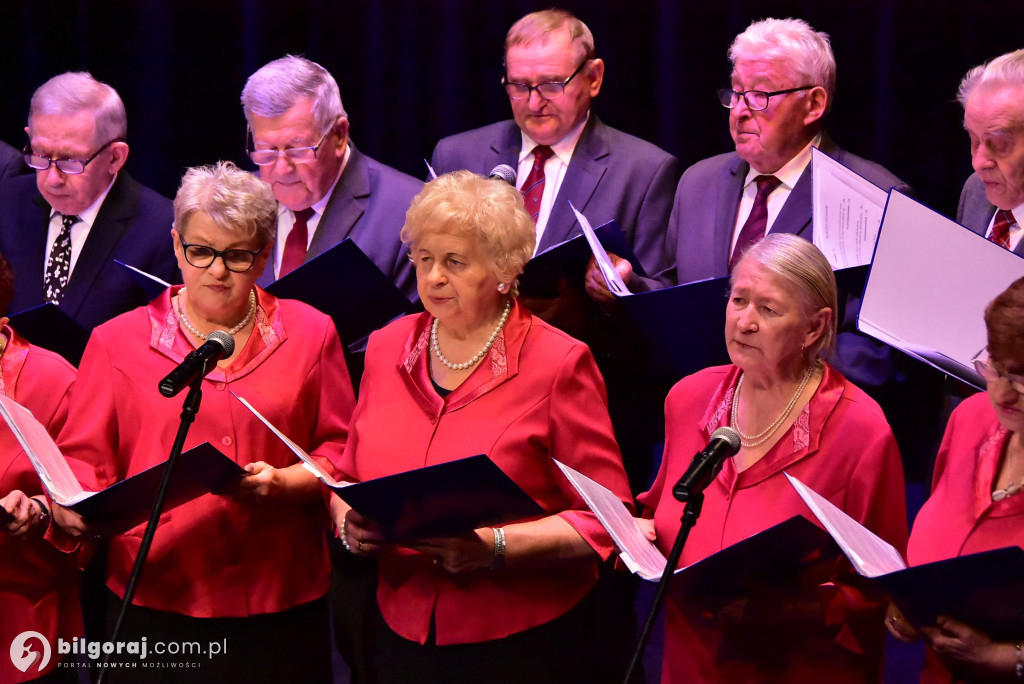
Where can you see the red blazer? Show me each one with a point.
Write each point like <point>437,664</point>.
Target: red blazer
<point>960,517</point>
<point>38,584</point>
<point>840,446</point>
<point>536,396</point>
<point>213,557</point>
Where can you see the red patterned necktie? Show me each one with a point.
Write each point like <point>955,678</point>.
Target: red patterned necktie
<point>533,187</point>
<point>757,223</point>
<point>295,245</point>
<point>1001,228</point>
<point>58,268</point>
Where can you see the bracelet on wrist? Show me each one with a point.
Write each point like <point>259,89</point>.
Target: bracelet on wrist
<point>499,549</point>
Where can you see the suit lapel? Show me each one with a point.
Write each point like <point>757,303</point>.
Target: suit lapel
<point>506,148</point>
<point>588,164</point>
<point>346,206</point>
<point>796,213</point>
<point>726,205</point>
<point>30,255</point>
<point>112,222</point>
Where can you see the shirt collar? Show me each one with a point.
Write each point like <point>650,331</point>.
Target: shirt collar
<point>563,149</point>
<point>88,217</point>
<point>321,205</point>
<point>791,171</point>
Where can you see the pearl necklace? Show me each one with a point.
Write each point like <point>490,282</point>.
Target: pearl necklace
<point>766,434</point>
<point>480,354</point>
<point>244,322</point>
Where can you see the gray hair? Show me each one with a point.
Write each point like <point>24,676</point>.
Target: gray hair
<point>800,263</point>
<point>277,86</point>
<point>236,200</point>
<point>1006,69</point>
<point>537,25</point>
<point>77,91</point>
<point>807,52</point>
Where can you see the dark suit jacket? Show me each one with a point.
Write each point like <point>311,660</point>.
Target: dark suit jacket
<point>975,211</point>
<point>368,205</point>
<point>12,161</point>
<point>133,226</point>
<point>612,175</point>
<point>704,214</point>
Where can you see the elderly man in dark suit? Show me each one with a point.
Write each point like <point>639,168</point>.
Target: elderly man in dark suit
<point>62,228</point>
<point>551,76</point>
<point>327,190</point>
<point>992,201</point>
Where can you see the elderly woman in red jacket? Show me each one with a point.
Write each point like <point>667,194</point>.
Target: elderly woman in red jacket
<point>249,567</point>
<point>976,503</point>
<point>794,413</point>
<point>477,373</point>
<point>38,584</point>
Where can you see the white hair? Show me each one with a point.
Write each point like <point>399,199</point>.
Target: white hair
<point>807,52</point>
<point>277,86</point>
<point>1006,69</point>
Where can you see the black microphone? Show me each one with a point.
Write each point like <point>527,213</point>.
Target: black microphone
<point>219,345</point>
<point>504,172</point>
<point>725,442</point>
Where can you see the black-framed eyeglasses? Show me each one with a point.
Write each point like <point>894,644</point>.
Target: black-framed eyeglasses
<point>203,256</point>
<point>549,91</point>
<point>991,374</point>
<point>72,167</point>
<point>296,155</point>
<point>757,100</point>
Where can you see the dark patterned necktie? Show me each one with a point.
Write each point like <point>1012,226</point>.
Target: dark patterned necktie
<point>533,187</point>
<point>757,223</point>
<point>1001,228</point>
<point>58,268</point>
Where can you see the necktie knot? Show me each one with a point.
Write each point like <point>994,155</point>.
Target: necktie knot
<point>765,185</point>
<point>68,220</point>
<point>757,222</point>
<point>303,215</point>
<point>533,186</point>
<point>1001,228</point>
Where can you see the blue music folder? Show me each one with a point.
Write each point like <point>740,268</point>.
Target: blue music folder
<point>344,284</point>
<point>126,504</point>
<point>441,500</point>
<point>47,326</point>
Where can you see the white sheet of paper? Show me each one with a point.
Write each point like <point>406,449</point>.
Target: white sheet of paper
<point>53,470</point>
<point>611,277</point>
<point>430,170</point>
<point>847,211</point>
<point>307,461</point>
<point>870,554</point>
<point>152,277</point>
<point>637,551</point>
<point>930,282</point>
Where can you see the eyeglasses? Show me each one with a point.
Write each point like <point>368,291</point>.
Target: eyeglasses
<point>202,256</point>
<point>757,100</point>
<point>72,167</point>
<point>991,374</point>
<point>549,91</point>
<point>296,155</point>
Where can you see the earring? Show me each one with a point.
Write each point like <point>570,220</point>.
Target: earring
<point>502,287</point>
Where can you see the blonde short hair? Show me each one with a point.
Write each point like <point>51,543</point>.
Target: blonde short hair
<point>1005,69</point>
<point>468,205</point>
<point>236,200</point>
<point>804,266</point>
<point>537,26</point>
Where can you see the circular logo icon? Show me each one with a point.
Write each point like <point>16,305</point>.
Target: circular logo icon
<point>24,657</point>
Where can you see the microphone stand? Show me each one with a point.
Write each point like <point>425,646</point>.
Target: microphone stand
<point>694,504</point>
<point>188,416</point>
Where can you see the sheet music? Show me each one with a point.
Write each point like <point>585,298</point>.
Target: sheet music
<point>611,277</point>
<point>870,554</point>
<point>53,470</point>
<point>307,461</point>
<point>929,284</point>
<point>847,211</point>
<point>638,552</point>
